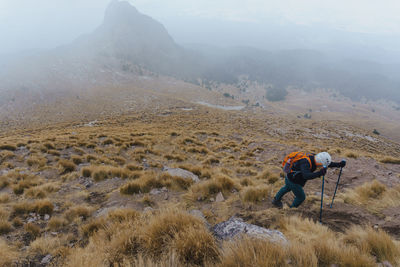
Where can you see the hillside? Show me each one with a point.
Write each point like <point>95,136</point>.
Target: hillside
<point>67,186</point>
<point>125,149</point>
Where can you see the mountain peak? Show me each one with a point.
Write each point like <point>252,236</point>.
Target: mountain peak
<point>120,11</point>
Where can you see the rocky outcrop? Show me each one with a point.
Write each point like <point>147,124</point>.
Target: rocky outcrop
<point>182,173</point>
<point>235,227</point>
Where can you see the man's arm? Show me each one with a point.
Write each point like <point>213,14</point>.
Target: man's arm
<point>341,164</point>
<point>307,174</point>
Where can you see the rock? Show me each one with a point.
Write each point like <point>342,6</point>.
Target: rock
<point>46,217</point>
<point>164,189</point>
<point>31,220</point>
<point>200,215</point>
<point>235,226</point>
<point>386,264</point>
<point>46,260</point>
<point>182,173</point>
<point>86,182</point>
<point>148,209</point>
<point>155,191</point>
<point>54,233</point>
<point>211,199</point>
<point>219,197</point>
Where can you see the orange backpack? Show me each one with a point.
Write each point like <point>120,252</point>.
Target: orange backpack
<point>293,157</point>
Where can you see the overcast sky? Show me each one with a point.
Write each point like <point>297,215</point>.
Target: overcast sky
<point>29,24</point>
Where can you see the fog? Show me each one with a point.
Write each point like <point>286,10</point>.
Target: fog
<point>334,43</point>
<point>311,24</point>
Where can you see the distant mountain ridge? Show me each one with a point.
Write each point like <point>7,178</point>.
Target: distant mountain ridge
<point>129,44</point>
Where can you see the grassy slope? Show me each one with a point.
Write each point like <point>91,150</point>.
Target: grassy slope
<point>236,153</point>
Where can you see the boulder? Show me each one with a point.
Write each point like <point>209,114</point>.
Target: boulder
<point>182,173</point>
<point>219,197</point>
<point>46,260</point>
<point>235,227</point>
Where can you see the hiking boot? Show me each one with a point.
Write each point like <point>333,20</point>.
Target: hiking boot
<point>277,203</point>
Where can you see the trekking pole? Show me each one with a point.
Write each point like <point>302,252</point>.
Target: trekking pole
<point>322,198</point>
<point>337,185</point>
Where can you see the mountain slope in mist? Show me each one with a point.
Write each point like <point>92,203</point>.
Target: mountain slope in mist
<point>129,44</point>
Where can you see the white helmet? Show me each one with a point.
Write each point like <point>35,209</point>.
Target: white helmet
<point>323,159</point>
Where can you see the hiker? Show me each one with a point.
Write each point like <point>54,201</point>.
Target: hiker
<point>300,167</point>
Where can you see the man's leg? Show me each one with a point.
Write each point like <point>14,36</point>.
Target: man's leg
<point>284,190</point>
<point>300,196</point>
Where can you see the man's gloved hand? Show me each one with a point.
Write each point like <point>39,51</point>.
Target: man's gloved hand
<point>322,172</point>
<point>342,164</point>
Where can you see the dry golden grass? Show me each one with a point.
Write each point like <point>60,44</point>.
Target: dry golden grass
<point>238,164</point>
<point>255,193</point>
<point>151,180</point>
<point>374,196</point>
<point>48,245</point>
<point>4,197</point>
<point>260,253</point>
<point>66,166</point>
<point>56,223</point>
<point>390,160</point>
<point>78,211</point>
<point>269,176</point>
<point>219,183</point>
<point>42,207</point>
<point>8,147</point>
<point>8,254</point>
<point>354,248</point>
<point>135,238</point>
<point>374,242</point>
<point>32,230</point>
<point>5,226</point>
<point>351,155</point>
<point>100,173</point>
<point>36,161</point>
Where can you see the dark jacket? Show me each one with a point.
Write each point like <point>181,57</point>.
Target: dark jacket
<point>302,171</point>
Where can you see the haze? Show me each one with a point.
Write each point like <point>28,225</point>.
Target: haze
<point>311,24</point>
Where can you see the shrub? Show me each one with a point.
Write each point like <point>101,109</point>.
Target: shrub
<point>77,159</point>
<point>213,186</point>
<point>195,246</point>
<point>32,230</point>
<point>256,194</point>
<point>36,161</point>
<point>4,197</point>
<point>108,142</point>
<point>253,252</point>
<point>351,155</point>
<point>86,172</point>
<point>7,254</point>
<point>8,147</point>
<point>66,166</point>
<point>56,223</point>
<point>44,207</point>
<point>5,227</point>
<point>78,211</point>
<point>376,243</point>
<point>92,227</point>
<point>390,160</point>
<point>131,188</point>
<point>276,94</point>
<point>161,230</point>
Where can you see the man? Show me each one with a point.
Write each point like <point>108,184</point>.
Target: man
<point>299,168</point>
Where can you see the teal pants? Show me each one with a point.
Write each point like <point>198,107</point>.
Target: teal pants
<point>297,190</point>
